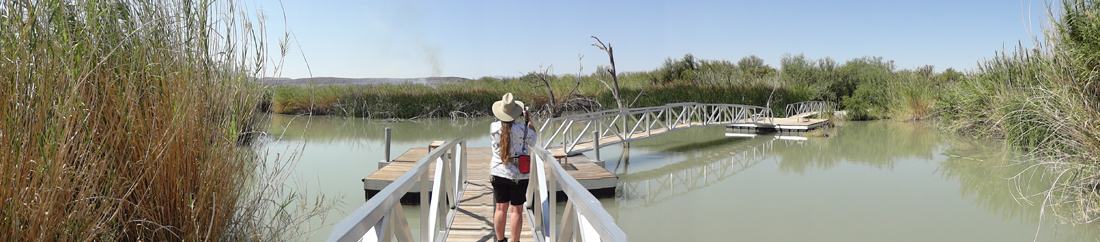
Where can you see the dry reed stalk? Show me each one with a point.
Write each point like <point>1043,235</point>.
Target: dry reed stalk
<point>125,121</point>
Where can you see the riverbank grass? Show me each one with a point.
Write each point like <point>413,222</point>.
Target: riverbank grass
<point>131,121</point>
<point>1046,102</point>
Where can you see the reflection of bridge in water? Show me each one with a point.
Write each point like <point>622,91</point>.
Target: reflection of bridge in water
<point>650,187</point>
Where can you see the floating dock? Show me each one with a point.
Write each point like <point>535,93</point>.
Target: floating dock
<point>600,182</point>
<point>791,124</point>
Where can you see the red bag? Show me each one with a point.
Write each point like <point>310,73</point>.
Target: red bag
<point>524,164</point>
<point>524,160</point>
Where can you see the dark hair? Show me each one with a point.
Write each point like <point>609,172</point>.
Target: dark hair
<point>505,141</point>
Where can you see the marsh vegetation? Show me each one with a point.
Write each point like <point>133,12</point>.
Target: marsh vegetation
<point>133,120</point>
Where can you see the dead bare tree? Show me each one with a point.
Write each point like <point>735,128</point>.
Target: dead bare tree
<point>614,76</point>
<point>571,101</point>
<point>615,80</point>
<point>541,81</point>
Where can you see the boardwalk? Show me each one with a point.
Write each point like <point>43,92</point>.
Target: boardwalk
<point>797,123</point>
<point>464,175</point>
<point>473,222</point>
<point>574,134</point>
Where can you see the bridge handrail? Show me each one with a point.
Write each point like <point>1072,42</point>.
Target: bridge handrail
<point>383,214</point>
<point>584,218</point>
<point>821,107</point>
<point>613,112</point>
<point>624,123</point>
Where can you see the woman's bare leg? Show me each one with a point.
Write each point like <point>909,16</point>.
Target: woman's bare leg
<point>499,213</point>
<point>516,220</point>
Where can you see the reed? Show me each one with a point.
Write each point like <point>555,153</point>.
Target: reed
<point>915,98</point>
<point>131,120</point>
<point>474,98</point>
<point>406,101</point>
<point>1045,101</point>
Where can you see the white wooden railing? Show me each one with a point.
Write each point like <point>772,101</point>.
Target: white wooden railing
<point>630,124</point>
<point>381,218</point>
<point>810,108</point>
<point>584,218</point>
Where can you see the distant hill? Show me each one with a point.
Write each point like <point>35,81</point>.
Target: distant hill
<point>431,81</point>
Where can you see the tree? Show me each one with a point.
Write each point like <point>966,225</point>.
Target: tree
<point>542,78</point>
<point>614,77</point>
<point>754,67</point>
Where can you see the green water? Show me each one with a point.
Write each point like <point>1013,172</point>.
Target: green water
<point>872,181</point>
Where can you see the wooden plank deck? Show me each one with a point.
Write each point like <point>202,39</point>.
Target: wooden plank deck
<point>473,222</point>
<point>791,123</point>
<point>588,173</point>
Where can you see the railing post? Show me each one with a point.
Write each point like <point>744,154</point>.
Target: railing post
<point>552,192</point>
<point>596,144</point>
<point>388,133</point>
<point>462,164</point>
<point>425,209</point>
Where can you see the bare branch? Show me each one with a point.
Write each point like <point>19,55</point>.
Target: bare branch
<point>614,76</point>
<point>640,94</point>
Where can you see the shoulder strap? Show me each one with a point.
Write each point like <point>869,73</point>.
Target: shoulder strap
<point>525,128</point>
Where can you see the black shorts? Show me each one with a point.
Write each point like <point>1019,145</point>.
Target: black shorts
<point>508,190</point>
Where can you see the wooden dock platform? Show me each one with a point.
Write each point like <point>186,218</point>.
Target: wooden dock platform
<point>473,221</point>
<point>797,123</point>
<point>599,181</point>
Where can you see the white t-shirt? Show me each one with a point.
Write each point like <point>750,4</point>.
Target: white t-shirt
<point>496,165</point>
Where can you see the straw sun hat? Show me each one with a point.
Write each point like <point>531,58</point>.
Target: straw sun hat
<point>507,109</point>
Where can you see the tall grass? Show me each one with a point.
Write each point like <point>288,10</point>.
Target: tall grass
<point>474,98</point>
<point>410,101</point>
<point>914,99</point>
<point>130,120</point>
<point>404,101</point>
<point>1046,101</point>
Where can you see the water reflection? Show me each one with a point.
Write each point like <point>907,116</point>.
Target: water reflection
<point>876,144</point>
<point>989,173</point>
<point>696,171</point>
<point>874,181</point>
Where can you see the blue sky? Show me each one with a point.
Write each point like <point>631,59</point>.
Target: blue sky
<point>472,39</point>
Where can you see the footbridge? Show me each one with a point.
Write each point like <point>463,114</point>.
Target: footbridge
<point>574,134</point>
<point>459,208</point>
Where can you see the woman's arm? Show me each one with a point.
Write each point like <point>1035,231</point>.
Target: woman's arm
<point>527,119</point>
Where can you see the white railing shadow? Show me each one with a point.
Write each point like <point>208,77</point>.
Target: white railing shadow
<point>382,219</point>
<point>584,218</point>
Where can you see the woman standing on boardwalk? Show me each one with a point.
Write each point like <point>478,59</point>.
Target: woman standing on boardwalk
<point>509,144</point>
